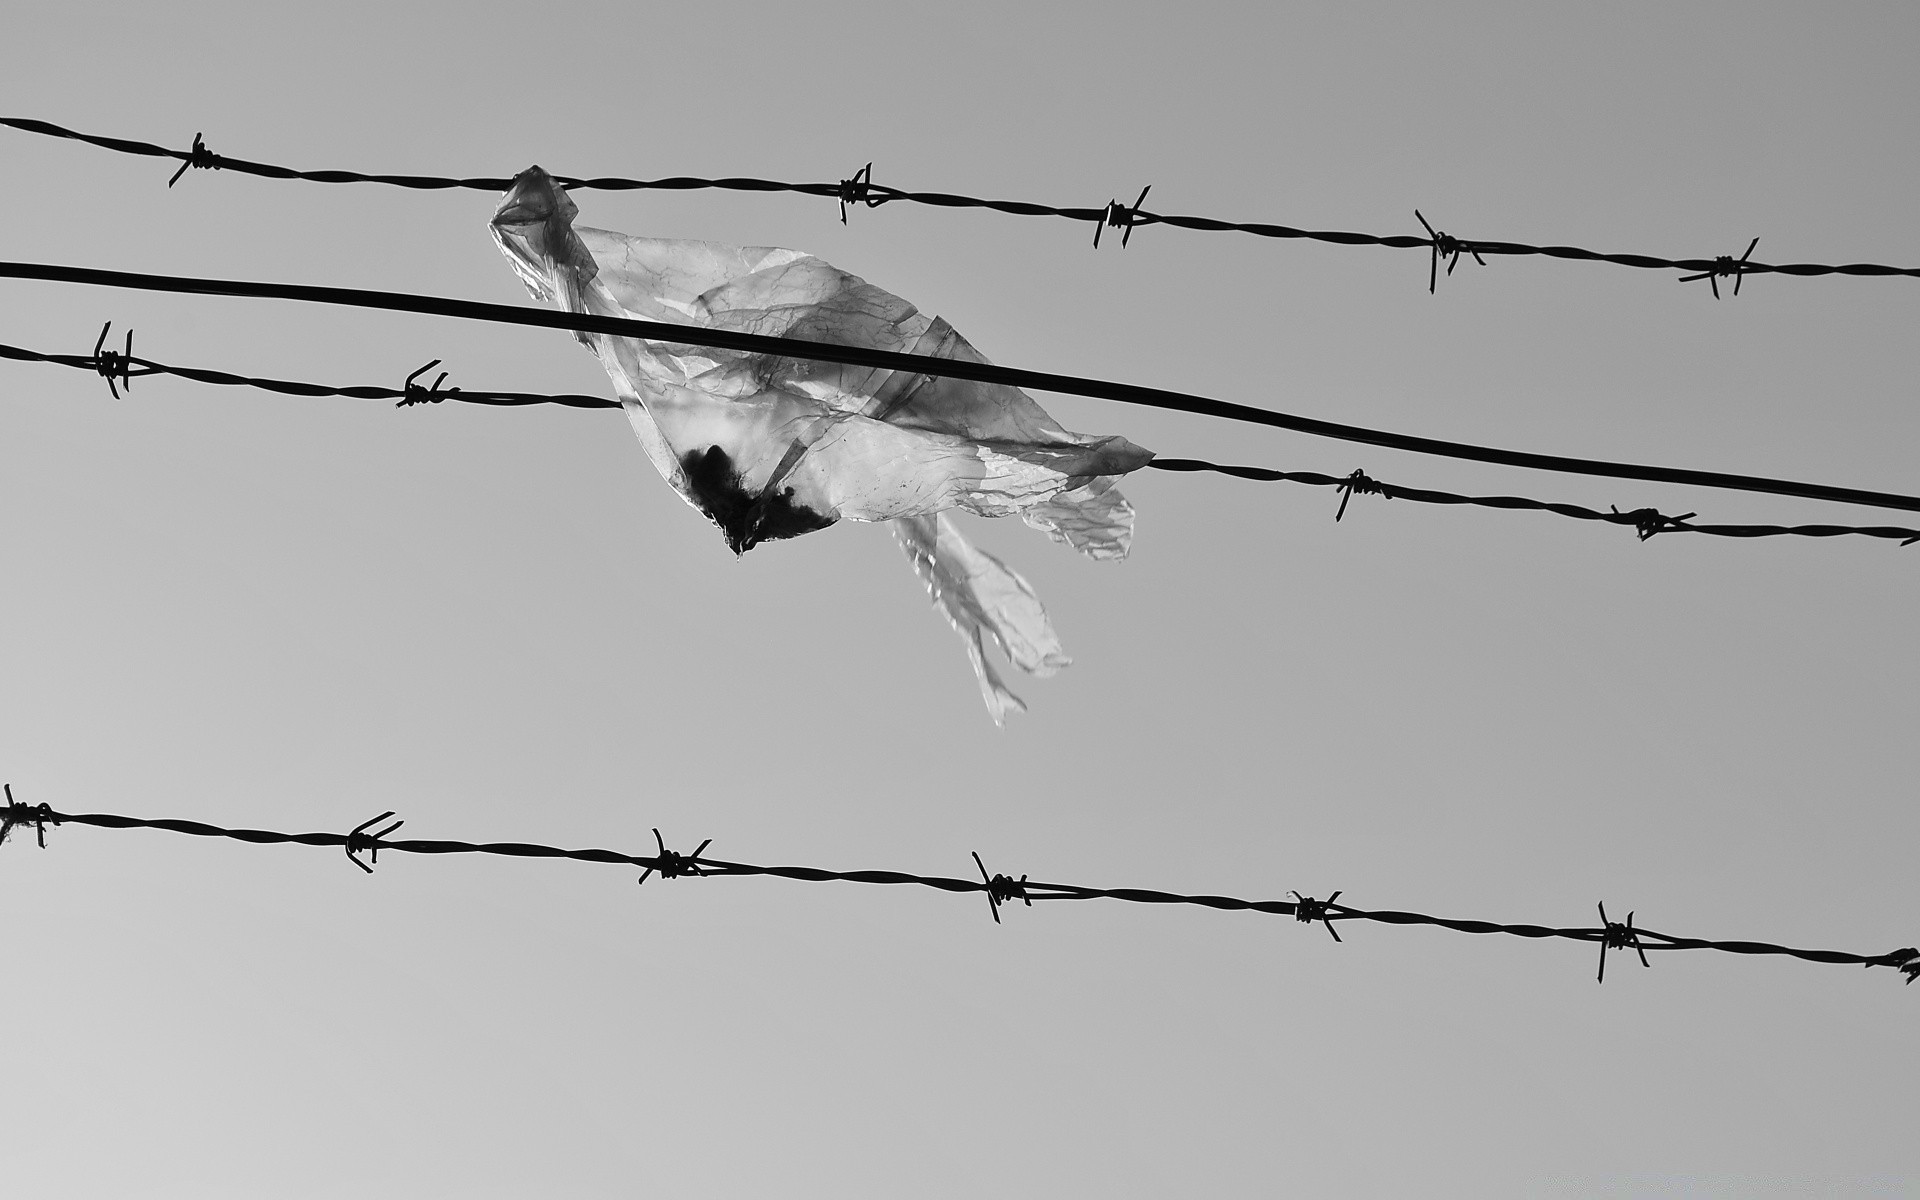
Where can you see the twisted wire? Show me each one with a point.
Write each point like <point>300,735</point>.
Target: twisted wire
<point>999,888</point>
<point>982,372</point>
<point>288,387</point>
<point>865,191</point>
<point>1647,521</point>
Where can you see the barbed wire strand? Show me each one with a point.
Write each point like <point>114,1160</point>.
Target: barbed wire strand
<point>115,365</point>
<point>122,367</point>
<point>982,372</point>
<point>861,190</point>
<point>1647,522</point>
<point>1000,889</point>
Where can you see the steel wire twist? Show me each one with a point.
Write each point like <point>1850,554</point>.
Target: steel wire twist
<point>861,189</point>
<point>999,888</point>
<point>407,394</point>
<point>1647,522</point>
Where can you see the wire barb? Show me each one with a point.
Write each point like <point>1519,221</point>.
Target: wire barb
<point>1307,910</point>
<point>1119,216</point>
<point>1001,889</point>
<point>1359,484</point>
<point>1446,246</point>
<point>114,364</point>
<point>1725,264</point>
<point>16,814</point>
<point>674,866</point>
<point>421,394</point>
<point>1648,521</point>
<point>859,190</point>
<point>199,158</point>
<point>360,841</point>
<point>1615,935</point>
<point>1906,961</point>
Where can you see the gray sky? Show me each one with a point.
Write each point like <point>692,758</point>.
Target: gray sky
<point>289,613</point>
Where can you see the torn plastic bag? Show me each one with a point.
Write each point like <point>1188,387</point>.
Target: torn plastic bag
<point>770,447</point>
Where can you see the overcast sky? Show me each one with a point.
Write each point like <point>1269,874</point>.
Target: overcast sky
<point>293,614</point>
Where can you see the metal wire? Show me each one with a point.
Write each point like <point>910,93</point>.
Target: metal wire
<point>860,189</point>
<point>121,366</point>
<point>1646,521</point>
<point>1000,889</point>
<point>125,366</point>
<point>983,372</point>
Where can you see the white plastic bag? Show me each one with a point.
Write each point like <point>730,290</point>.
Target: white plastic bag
<point>771,447</point>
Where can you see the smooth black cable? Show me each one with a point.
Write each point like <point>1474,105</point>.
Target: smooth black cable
<point>947,367</point>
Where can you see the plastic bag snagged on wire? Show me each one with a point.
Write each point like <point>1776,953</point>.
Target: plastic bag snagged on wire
<point>770,447</point>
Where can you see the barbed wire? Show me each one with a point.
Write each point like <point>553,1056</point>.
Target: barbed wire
<point>860,189</point>
<point>1647,522</point>
<point>982,372</point>
<point>1000,889</point>
<point>120,367</point>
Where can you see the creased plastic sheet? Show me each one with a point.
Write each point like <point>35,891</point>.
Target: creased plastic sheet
<point>770,447</point>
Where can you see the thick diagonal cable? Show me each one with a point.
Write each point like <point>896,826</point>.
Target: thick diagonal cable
<point>946,367</point>
<point>1646,521</point>
<point>670,864</point>
<point>874,194</point>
